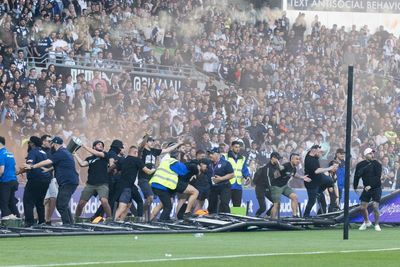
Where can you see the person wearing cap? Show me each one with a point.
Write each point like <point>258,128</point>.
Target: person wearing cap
<point>116,154</point>
<point>370,171</point>
<point>97,183</point>
<point>66,174</point>
<point>241,171</point>
<point>220,171</point>
<point>37,184</point>
<point>149,155</point>
<point>8,183</point>
<point>279,184</point>
<point>319,181</point>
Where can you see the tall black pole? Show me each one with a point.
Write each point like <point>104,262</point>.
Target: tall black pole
<point>348,155</point>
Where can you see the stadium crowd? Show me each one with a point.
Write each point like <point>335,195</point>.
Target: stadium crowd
<point>285,82</point>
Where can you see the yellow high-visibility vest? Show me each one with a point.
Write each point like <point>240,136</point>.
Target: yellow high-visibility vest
<point>237,169</point>
<point>164,175</point>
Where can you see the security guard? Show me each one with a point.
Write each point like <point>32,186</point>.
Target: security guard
<point>170,178</point>
<point>38,183</point>
<point>220,171</point>
<point>66,174</point>
<point>240,169</point>
<point>8,183</point>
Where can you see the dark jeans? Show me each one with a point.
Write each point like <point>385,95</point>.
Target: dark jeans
<point>221,193</point>
<point>165,198</point>
<point>64,196</point>
<point>261,193</point>
<point>35,191</point>
<point>315,193</point>
<point>236,197</point>
<point>8,201</point>
<point>332,196</point>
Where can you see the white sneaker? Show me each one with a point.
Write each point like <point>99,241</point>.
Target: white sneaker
<point>378,228</point>
<point>10,217</point>
<point>364,226</point>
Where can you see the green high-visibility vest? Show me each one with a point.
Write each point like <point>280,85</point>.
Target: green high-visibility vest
<point>164,175</point>
<point>237,169</point>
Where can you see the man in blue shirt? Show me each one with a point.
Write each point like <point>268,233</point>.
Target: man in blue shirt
<point>8,183</point>
<point>66,174</point>
<point>221,172</point>
<point>38,183</point>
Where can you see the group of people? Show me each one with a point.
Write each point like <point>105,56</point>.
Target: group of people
<point>213,175</point>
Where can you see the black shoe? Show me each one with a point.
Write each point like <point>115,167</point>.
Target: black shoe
<point>48,223</point>
<point>188,215</point>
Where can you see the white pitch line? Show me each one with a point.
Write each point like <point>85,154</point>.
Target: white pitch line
<point>203,258</point>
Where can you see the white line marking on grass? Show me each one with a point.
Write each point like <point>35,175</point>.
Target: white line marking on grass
<point>204,257</point>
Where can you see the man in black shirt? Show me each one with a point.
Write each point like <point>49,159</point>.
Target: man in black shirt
<point>115,153</point>
<point>126,188</point>
<point>149,155</point>
<point>279,185</point>
<point>262,180</point>
<point>370,171</point>
<point>97,182</point>
<point>319,181</point>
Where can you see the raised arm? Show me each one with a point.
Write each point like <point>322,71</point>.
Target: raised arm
<point>82,163</point>
<point>94,152</point>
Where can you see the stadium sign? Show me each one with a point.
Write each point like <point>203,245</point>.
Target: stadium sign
<point>137,79</point>
<point>371,6</point>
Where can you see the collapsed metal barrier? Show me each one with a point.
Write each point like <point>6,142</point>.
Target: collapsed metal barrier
<point>205,224</point>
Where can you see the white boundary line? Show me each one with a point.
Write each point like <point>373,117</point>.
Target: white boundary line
<point>203,258</point>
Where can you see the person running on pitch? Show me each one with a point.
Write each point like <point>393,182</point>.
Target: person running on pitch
<point>370,171</point>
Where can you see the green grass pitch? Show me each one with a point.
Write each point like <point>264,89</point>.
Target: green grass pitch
<point>268,248</point>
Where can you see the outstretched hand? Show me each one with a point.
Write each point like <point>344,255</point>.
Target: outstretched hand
<point>306,178</point>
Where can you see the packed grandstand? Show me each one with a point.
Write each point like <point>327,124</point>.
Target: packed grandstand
<point>211,73</point>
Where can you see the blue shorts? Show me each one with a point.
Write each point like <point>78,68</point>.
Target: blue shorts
<point>145,187</point>
<point>126,196</point>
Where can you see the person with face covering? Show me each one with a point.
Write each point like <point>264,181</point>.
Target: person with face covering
<point>97,183</point>
<point>66,174</point>
<point>37,184</point>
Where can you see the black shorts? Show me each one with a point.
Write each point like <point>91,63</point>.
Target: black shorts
<point>203,192</point>
<point>374,194</point>
<point>181,186</point>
